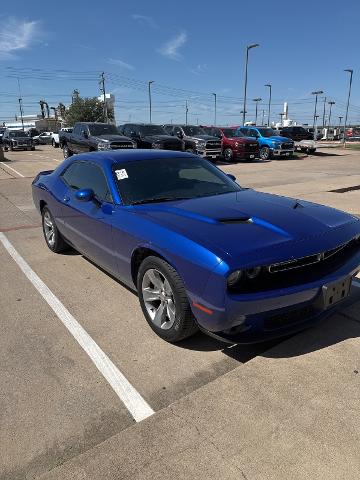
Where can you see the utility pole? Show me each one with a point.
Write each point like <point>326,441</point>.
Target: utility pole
<point>351,71</point>
<point>149,83</point>
<point>316,93</point>
<point>103,91</point>
<point>214,109</point>
<point>340,118</point>
<point>331,103</point>
<point>249,47</point>
<point>323,121</point>
<point>186,112</point>
<point>256,100</point>
<point>269,85</point>
<point>262,121</point>
<point>20,105</point>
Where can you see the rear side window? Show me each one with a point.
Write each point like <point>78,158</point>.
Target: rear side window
<point>87,175</point>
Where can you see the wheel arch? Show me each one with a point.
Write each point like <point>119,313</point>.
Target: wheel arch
<point>139,255</point>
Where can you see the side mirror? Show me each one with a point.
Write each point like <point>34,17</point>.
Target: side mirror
<point>85,134</point>
<point>230,175</point>
<point>85,194</point>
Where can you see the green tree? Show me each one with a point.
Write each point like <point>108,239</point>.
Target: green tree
<point>86,109</point>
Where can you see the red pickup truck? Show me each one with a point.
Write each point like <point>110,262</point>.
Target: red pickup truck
<point>235,146</point>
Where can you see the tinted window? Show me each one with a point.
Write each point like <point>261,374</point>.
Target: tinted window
<point>103,129</point>
<point>232,132</point>
<point>87,175</point>
<point>252,133</point>
<point>266,132</point>
<point>170,179</point>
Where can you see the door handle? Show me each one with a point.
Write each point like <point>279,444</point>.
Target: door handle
<point>66,199</point>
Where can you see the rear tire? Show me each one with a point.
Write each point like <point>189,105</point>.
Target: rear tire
<point>67,152</point>
<point>164,301</point>
<point>53,237</point>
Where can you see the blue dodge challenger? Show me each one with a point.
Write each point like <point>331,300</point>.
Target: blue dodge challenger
<point>201,251</point>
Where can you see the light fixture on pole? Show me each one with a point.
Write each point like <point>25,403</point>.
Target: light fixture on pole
<point>249,47</point>
<point>316,93</point>
<point>331,103</point>
<point>351,71</point>
<point>269,85</point>
<point>214,108</point>
<point>256,100</point>
<point>149,83</point>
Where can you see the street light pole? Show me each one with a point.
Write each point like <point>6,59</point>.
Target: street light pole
<point>331,103</point>
<point>269,85</point>
<point>186,112</point>
<point>351,71</point>
<point>149,83</point>
<point>256,100</point>
<point>262,121</point>
<point>249,47</point>
<point>214,108</point>
<point>323,121</point>
<point>318,92</point>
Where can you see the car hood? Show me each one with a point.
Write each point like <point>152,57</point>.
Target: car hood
<point>259,227</point>
<point>160,138</point>
<point>278,138</point>
<point>112,138</point>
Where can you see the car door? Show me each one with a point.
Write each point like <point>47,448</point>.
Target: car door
<point>88,225</point>
<point>74,139</point>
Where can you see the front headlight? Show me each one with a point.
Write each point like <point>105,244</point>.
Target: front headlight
<point>252,273</point>
<point>201,144</point>
<point>234,277</point>
<point>14,142</point>
<point>134,144</point>
<point>104,146</point>
<point>156,145</point>
<point>277,145</point>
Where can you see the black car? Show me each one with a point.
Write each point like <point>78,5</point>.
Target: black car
<point>296,133</point>
<point>151,136</point>
<point>196,140</point>
<point>91,136</point>
<point>17,140</point>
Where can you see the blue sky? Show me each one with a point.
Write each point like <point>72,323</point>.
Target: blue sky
<point>189,49</point>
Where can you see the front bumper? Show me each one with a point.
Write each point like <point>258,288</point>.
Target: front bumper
<point>256,317</point>
<point>209,153</point>
<point>246,155</point>
<point>282,153</point>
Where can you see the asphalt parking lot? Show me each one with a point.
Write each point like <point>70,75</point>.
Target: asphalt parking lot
<point>56,406</point>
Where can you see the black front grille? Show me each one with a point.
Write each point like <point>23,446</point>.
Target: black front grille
<point>251,147</point>
<point>116,145</point>
<point>287,146</point>
<point>213,145</point>
<point>308,269</point>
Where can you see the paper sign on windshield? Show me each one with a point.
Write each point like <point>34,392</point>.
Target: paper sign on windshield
<point>121,174</point>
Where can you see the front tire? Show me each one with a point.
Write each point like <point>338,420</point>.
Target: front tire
<point>229,155</point>
<point>66,151</point>
<point>265,153</point>
<point>52,236</point>
<point>164,301</point>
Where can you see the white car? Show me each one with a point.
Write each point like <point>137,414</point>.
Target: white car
<point>55,137</point>
<point>43,139</point>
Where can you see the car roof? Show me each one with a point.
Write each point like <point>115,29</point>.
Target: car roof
<point>130,155</point>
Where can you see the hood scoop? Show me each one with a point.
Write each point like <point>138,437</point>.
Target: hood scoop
<point>244,219</point>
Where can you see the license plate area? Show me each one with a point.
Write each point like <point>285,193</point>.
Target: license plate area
<point>334,292</point>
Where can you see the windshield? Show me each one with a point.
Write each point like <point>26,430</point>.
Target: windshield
<point>192,131</point>
<point>168,179</point>
<point>232,132</point>
<point>18,133</point>
<point>266,132</point>
<point>103,129</point>
<point>152,130</point>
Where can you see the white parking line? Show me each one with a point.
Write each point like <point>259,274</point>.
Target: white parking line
<point>137,406</point>
<point>13,169</point>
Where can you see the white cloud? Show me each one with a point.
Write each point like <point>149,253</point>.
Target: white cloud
<point>16,35</point>
<point>171,48</point>
<point>200,68</point>
<point>120,63</point>
<point>144,19</point>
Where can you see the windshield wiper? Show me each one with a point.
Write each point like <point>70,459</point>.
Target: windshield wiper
<point>158,199</point>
